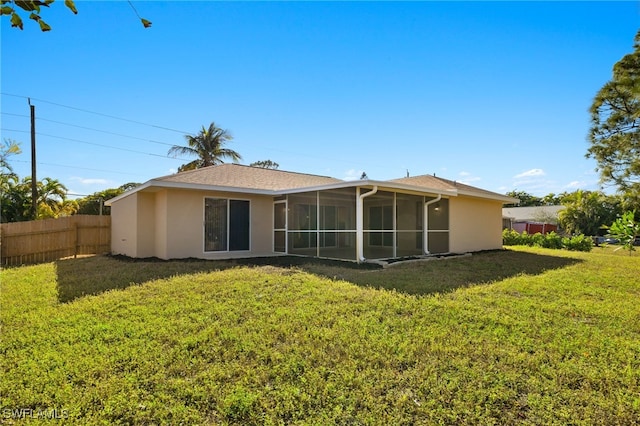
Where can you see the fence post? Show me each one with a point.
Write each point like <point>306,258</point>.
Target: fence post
<point>75,239</point>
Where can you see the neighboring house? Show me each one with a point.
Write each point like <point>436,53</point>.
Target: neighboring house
<point>542,219</point>
<point>231,210</point>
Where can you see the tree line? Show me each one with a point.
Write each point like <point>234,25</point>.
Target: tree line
<point>585,212</point>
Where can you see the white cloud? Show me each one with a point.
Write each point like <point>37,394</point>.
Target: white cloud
<point>530,173</point>
<point>467,178</point>
<point>575,184</point>
<point>90,181</point>
<point>173,171</point>
<point>352,174</point>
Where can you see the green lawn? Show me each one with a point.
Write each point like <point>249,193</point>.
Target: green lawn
<point>521,336</point>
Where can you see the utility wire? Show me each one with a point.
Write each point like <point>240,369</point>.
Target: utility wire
<point>76,167</point>
<point>155,126</point>
<point>97,144</point>
<point>90,128</point>
<point>96,113</point>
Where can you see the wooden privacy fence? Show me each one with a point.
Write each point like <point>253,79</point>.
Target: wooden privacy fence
<point>51,239</point>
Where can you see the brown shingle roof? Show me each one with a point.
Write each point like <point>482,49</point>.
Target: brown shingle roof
<point>426,181</point>
<point>433,182</point>
<point>246,177</point>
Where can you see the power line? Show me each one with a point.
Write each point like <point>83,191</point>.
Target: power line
<point>150,125</point>
<point>97,113</point>
<point>15,115</point>
<point>90,128</point>
<point>97,144</point>
<point>79,168</point>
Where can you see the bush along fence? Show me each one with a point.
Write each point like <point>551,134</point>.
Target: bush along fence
<point>550,240</point>
<point>52,239</point>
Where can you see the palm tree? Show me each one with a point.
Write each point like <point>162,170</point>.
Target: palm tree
<point>52,199</point>
<point>15,199</point>
<point>8,148</point>
<point>208,146</point>
<point>51,192</point>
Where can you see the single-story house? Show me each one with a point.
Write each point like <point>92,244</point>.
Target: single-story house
<point>532,219</point>
<point>231,210</point>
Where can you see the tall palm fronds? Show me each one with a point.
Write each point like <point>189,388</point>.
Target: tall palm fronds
<point>15,199</point>
<point>208,146</point>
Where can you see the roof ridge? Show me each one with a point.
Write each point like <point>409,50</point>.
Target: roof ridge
<point>200,169</point>
<point>287,171</point>
<point>453,183</point>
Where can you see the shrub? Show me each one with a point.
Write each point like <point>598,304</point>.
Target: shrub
<point>551,240</point>
<point>537,240</point>
<point>511,238</point>
<point>625,229</point>
<point>578,243</point>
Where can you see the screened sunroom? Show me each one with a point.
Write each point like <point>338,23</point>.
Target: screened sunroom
<point>360,223</point>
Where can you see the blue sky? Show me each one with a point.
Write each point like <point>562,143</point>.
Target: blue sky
<point>495,94</point>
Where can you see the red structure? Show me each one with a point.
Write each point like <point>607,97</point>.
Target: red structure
<point>534,228</point>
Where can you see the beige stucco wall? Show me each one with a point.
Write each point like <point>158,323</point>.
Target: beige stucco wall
<point>169,224</point>
<point>183,223</point>
<point>123,226</point>
<point>160,225</point>
<point>146,224</point>
<point>475,224</point>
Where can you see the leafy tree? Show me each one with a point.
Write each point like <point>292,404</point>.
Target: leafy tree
<point>615,125</point>
<point>91,204</point>
<point>626,230</point>
<point>34,7</point>
<point>52,199</point>
<point>265,164</point>
<point>526,199</point>
<point>551,199</point>
<point>62,208</point>
<point>586,212</point>
<point>208,146</point>
<point>15,199</point>
<point>631,202</point>
<point>8,148</point>
<point>50,191</point>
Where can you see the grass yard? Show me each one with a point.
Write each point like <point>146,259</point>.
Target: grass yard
<point>521,336</point>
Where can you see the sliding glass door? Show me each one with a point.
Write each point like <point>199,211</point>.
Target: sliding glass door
<point>226,224</point>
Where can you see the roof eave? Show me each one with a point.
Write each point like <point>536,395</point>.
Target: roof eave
<point>491,196</point>
<point>336,185</point>
<point>195,186</point>
<point>367,183</point>
<point>127,193</point>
